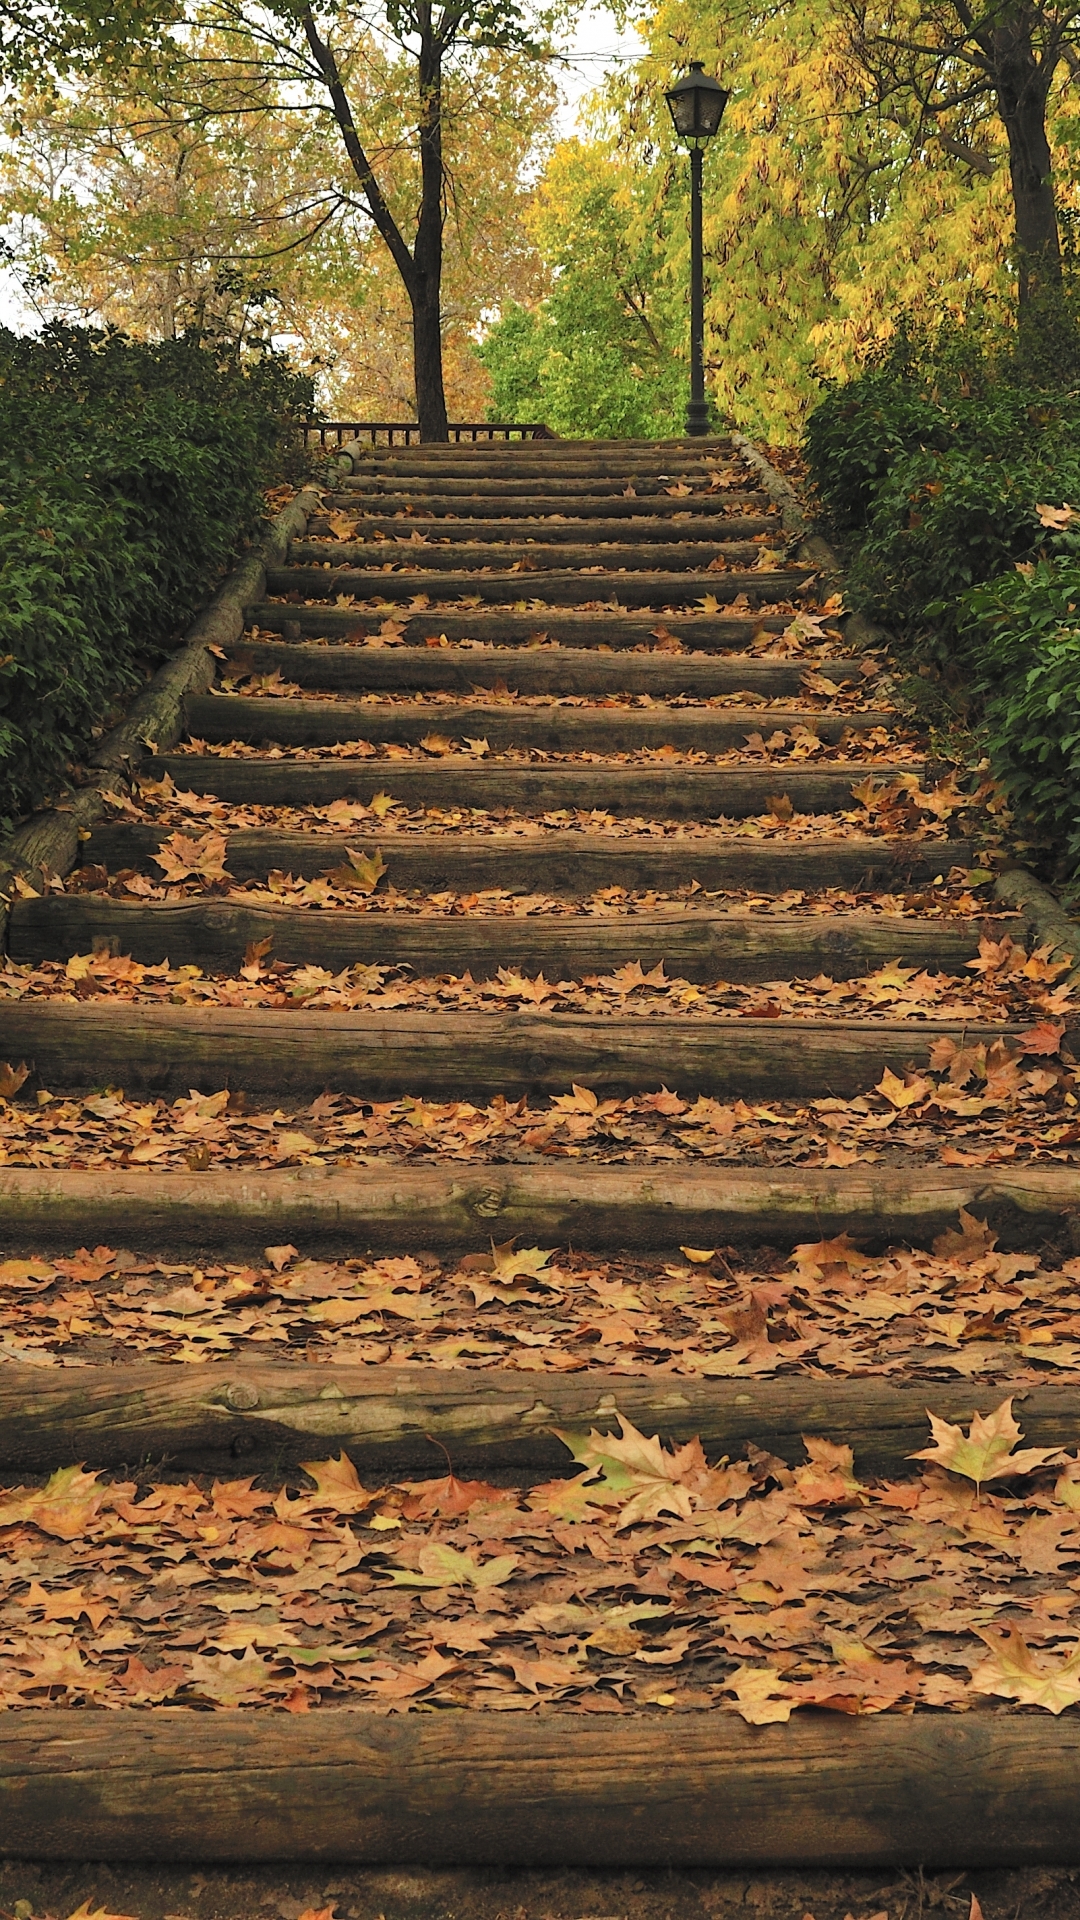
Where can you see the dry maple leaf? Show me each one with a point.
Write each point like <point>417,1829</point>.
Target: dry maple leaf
<point>973,1241</point>
<point>440,1565</point>
<point>437,743</point>
<point>762,1695</point>
<point>362,875</point>
<point>337,1485</point>
<point>1056,519</point>
<point>182,858</point>
<point>99,1913</point>
<point>634,1473</point>
<point>63,1507</point>
<point>1013,1670</point>
<point>12,1078</point>
<point>985,1452</point>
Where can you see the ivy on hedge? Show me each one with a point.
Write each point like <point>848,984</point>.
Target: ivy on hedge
<point>130,474</point>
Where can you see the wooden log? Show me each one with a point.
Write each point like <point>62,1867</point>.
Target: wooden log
<point>502,627</point>
<point>297,1054</point>
<point>390,1420</point>
<point>1050,924</point>
<point>391,1208</point>
<point>564,864</point>
<point>475,556</point>
<point>700,1789</point>
<point>555,670</point>
<point>504,497</point>
<point>554,729</point>
<point>457,780</point>
<point>555,588</point>
<point>373,524</point>
<point>695,944</point>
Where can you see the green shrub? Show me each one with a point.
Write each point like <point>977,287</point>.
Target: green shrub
<point>129,476</point>
<point>932,466</point>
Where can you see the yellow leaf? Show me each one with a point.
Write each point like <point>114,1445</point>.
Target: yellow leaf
<point>985,1452</point>
<point>1012,1670</point>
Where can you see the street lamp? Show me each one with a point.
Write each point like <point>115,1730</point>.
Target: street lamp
<point>697,105</point>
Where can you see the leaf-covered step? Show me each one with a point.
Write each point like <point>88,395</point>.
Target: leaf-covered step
<point>654,793</point>
<point>555,670</point>
<point>495,499</point>
<point>694,945</point>
<point>571,865</point>
<point>510,626</point>
<point>361,528</point>
<point>554,729</point>
<point>672,556</point>
<point>294,1054</point>
<point>551,588</point>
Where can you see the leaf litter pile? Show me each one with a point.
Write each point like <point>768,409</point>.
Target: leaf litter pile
<point>646,1581</point>
<point>966,1310</point>
<point>1004,983</point>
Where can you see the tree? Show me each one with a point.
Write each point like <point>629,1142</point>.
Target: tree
<point>824,216</point>
<point>939,64</point>
<point>236,217</point>
<point>355,65</point>
<point>599,355</point>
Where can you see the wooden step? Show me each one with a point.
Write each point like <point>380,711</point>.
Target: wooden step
<point>520,532</point>
<point>467,556</point>
<point>390,1419</point>
<point>553,729</point>
<point>520,496</point>
<point>565,589</point>
<point>298,1054</point>
<point>456,1207</point>
<point>654,793</point>
<point>601,487</point>
<point>539,1789</point>
<point>695,944</point>
<point>555,670</point>
<point>566,865</point>
<point>718,633</point>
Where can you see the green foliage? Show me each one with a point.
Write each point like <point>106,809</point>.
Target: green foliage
<point>934,465</point>
<point>129,473</point>
<point>1024,629</point>
<point>596,358</point>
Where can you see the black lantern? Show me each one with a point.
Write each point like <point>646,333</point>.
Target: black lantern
<point>697,103</point>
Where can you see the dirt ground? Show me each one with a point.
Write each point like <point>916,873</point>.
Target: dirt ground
<point>32,1890</point>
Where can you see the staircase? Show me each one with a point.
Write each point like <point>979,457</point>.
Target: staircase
<point>544,870</point>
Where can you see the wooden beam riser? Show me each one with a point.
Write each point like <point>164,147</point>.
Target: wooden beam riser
<point>555,589</point>
<point>654,793</point>
<point>444,1789</point>
<point>564,866</point>
<point>394,1208</point>
<point>167,1050</point>
<point>323,723</point>
<point>720,633</point>
<point>214,934</point>
<point>418,669</point>
<point>392,1420</point>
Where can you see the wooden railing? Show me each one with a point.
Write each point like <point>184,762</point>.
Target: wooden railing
<point>406,433</point>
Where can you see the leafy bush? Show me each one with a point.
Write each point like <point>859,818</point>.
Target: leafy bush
<point>1024,629</point>
<point>933,466</point>
<point>129,475</point>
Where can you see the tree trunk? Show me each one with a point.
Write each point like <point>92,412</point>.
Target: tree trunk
<point>1021,87</point>
<point>426,294</point>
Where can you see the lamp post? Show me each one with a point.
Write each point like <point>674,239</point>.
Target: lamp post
<point>697,105</point>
